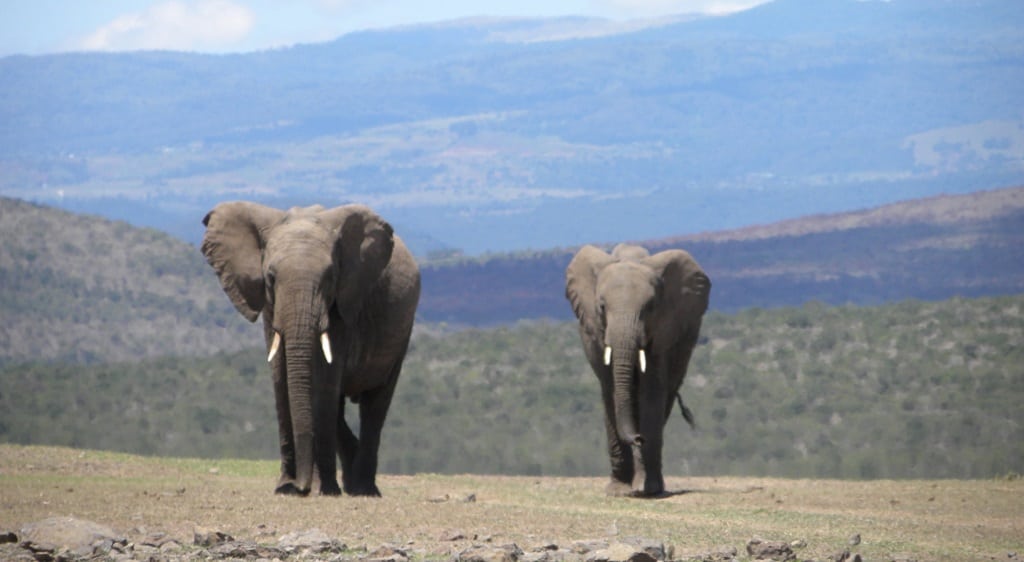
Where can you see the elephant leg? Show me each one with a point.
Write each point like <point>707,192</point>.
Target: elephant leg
<point>325,448</point>
<point>619,453</point>
<point>348,446</point>
<point>648,479</point>
<point>286,482</point>
<point>373,409</point>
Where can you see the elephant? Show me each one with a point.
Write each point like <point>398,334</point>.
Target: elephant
<point>338,292</point>
<point>639,321</point>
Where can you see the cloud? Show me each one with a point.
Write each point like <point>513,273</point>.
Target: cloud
<point>175,25</point>
<point>646,8</point>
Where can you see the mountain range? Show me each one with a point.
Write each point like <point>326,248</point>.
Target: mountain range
<point>499,135</point>
<point>86,289</point>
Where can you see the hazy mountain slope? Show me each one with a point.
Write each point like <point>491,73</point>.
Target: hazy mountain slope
<point>469,138</point>
<point>83,288</point>
<point>933,248</point>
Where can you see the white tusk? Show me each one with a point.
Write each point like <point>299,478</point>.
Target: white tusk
<point>325,343</point>
<point>643,361</point>
<point>274,345</point>
<point>608,355</point>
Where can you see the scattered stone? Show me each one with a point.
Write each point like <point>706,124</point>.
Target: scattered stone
<point>8,537</point>
<point>845,556</point>
<point>312,541</point>
<point>469,498</point>
<point>761,549</point>
<point>452,535</point>
<point>247,549</point>
<point>721,554</point>
<point>855,539</point>
<point>387,553</point>
<point>206,538</point>
<point>484,553</point>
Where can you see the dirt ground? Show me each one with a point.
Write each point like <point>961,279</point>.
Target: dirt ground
<point>437,515</point>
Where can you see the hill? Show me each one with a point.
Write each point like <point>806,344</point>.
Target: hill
<point>86,289</point>
<point>497,135</point>
<point>908,390</point>
<point>931,248</point>
<point>83,288</point>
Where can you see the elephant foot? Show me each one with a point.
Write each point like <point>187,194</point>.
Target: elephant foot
<point>653,487</point>
<point>330,489</point>
<point>368,490</point>
<point>618,489</point>
<point>290,489</point>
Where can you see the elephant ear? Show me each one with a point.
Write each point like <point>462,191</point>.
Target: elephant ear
<point>362,249</point>
<point>685,290</point>
<point>581,286</point>
<point>233,245</point>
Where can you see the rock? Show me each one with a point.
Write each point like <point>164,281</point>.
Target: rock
<point>11,552</point>
<point>387,553</point>
<point>312,541</point>
<point>76,537</point>
<point>247,549</point>
<point>201,536</point>
<point>855,539</point>
<point>761,549</point>
<point>8,537</point>
<point>653,547</point>
<point>845,556</point>
<point>583,547</point>
<point>721,554</point>
<point>482,553</point>
<point>620,552</point>
<point>451,535</point>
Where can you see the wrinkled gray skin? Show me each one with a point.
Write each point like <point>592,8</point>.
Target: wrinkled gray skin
<point>312,271</point>
<point>627,302</point>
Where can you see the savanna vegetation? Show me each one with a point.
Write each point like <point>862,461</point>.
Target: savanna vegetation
<point>907,390</point>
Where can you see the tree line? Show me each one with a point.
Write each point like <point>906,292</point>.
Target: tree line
<point>907,390</point>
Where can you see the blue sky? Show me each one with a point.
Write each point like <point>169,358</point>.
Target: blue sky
<point>217,26</point>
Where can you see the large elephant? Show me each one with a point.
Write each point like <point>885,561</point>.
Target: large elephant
<point>338,293</point>
<point>640,317</point>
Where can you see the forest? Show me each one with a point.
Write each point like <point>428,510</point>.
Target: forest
<point>911,389</point>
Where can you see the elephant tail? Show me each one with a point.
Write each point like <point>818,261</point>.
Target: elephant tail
<point>687,414</point>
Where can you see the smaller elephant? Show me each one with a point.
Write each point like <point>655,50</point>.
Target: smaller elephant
<point>338,291</point>
<point>640,317</point>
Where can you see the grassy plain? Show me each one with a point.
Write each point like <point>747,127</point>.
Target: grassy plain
<point>915,519</point>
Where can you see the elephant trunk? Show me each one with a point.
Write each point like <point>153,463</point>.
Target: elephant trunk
<point>304,350</point>
<point>299,355</point>
<point>624,342</point>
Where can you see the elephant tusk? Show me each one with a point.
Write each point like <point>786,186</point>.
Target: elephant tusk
<point>643,361</point>
<point>608,355</point>
<point>274,345</point>
<point>325,343</point>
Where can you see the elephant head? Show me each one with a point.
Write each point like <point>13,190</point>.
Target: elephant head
<point>640,316</point>
<point>308,271</point>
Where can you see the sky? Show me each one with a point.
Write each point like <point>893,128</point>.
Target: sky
<point>35,27</point>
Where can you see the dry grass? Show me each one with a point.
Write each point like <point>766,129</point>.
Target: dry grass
<point>929,520</point>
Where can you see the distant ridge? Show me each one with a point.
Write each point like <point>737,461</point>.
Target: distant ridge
<point>939,209</point>
<point>932,248</point>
